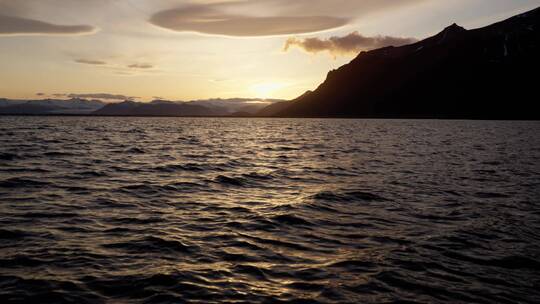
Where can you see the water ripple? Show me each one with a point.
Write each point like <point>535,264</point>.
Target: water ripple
<point>168,210</point>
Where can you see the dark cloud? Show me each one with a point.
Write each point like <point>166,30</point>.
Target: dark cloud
<point>210,19</point>
<point>100,96</point>
<point>349,44</point>
<point>90,61</point>
<point>40,94</point>
<point>140,66</point>
<point>11,26</point>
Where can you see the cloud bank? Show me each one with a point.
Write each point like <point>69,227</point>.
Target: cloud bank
<point>105,96</point>
<point>209,19</point>
<point>14,26</point>
<point>350,44</point>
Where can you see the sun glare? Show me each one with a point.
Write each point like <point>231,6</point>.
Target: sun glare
<point>266,90</point>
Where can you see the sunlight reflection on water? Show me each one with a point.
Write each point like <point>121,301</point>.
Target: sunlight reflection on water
<point>259,210</point>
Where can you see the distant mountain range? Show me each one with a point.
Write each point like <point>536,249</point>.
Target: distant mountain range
<point>487,73</point>
<point>209,107</point>
<point>49,106</point>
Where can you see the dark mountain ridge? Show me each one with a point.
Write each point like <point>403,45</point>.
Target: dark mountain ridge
<point>158,107</point>
<point>49,106</point>
<point>209,107</point>
<point>154,108</point>
<point>486,73</point>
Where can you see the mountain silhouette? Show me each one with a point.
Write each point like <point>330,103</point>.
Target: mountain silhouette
<point>154,108</point>
<point>77,106</point>
<point>486,73</point>
<point>206,107</point>
<point>274,109</point>
<point>49,106</point>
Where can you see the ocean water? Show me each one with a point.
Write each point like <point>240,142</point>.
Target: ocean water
<point>174,210</point>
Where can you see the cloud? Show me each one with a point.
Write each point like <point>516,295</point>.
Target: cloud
<point>40,94</point>
<point>217,17</point>
<point>90,61</point>
<point>350,44</point>
<point>210,19</point>
<point>140,66</point>
<point>342,8</point>
<point>100,96</point>
<point>268,17</point>
<point>117,68</point>
<point>15,26</point>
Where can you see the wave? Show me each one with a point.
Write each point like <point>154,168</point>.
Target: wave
<point>135,150</point>
<point>259,175</point>
<point>9,156</point>
<point>48,215</point>
<point>348,196</point>
<point>193,167</point>
<point>7,234</point>
<point>292,220</point>
<point>22,261</point>
<point>93,173</point>
<point>47,291</point>
<point>20,182</point>
<point>509,262</point>
<point>58,154</point>
<point>230,181</point>
<point>151,244</point>
<point>275,242</point>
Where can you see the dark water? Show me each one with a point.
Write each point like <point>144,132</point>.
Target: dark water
<point>144,210</point>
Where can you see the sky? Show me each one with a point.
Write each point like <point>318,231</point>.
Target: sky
<point>199,49</point>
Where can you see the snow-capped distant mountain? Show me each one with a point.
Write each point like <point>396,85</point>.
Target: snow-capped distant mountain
<point>49,106</point>
<point>209,107</point>
<point>4,102</point>
<point>75,103</point>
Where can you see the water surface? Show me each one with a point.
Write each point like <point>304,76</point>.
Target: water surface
<point>171,210</point>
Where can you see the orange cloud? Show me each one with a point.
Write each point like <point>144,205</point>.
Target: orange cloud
<point>349,44</point>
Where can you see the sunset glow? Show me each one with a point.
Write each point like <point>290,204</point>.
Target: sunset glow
<point>185,50</point>
<point>266,90</point>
